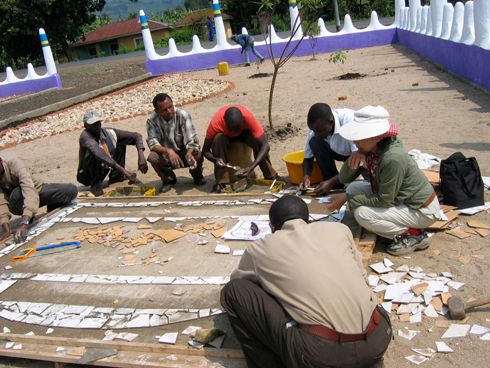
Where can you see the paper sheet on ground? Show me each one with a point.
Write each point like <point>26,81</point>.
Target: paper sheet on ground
<point>241,231</point>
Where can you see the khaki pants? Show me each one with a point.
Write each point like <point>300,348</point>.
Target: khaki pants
<point>391,221</point>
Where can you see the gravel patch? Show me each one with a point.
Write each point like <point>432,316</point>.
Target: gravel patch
<point>123,104</point>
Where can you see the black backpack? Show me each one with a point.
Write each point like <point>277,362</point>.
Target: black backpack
<point>461,182</point>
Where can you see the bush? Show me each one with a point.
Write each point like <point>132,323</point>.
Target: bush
<point>280,24</point>
<point>183,36</point>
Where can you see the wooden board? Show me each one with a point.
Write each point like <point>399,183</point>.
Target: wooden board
<point>129,354</point>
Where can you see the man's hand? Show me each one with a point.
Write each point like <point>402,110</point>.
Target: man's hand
<point>20,234</point>
<point>131,177</point>
<point>355,160</point>
<point>220,162</point>
<point>191,161</point>
<point>174,159</point>
<point>338,201</point>
<point>142,164</point>
<point>305,183</point>
<point>245,173</point>
<point>323,188</point>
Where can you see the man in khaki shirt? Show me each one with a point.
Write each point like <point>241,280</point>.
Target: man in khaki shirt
<point>22,194</point>
<point>299,298</point>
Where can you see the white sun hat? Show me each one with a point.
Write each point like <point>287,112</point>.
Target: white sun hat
<point>370,121</point>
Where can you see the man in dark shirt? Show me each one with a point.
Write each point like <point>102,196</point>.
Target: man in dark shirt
<point>103,151</point>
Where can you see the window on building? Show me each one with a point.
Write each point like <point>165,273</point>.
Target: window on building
<point>138,41</point>
<point>114,48</point>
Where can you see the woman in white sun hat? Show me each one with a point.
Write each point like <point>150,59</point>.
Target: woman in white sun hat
<point>398,202</point>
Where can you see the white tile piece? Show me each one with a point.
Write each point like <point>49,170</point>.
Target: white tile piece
<point>6,330</point>
<point>442,347</point>
<point>373,280</point>
<point>416,318</point>
<point>152,220</point>
<point>142,320</point>
<point>427,297</point>
<point>195,344</point>
<point>132,219</point>
<point>92,323</point>
<point>478,330</point>
<point>49,331</point>
<point>9,345</point>
<point>17,347</point>
<point>156,320</point>
<point>404,298</point>
<point>168,338</point>
<point>108,220</point>
<point>380,288</point>
<point>127,336</point>
<point>407,334</point>
<point>387,306</point>
<point>387,262</point>
<point>393,291</point>
<point>431,312</point>
<point>455,285</point>
<point>403,268</point>
<point>380,268</point>
<point>222,249</point>
<point>485,337</point>
<point>449,275</point>
<point>238,252</point>
<point>5,284</point>
<point>90,220</point>
<point>427,352</point>
<point>416,359</point>
<point>406,308</point>
<point>191,330</point>
<point>456,330</point>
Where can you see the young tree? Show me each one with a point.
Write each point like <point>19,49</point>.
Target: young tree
<point>311,11</point>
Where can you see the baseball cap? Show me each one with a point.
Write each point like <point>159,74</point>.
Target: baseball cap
<point>91,117</point>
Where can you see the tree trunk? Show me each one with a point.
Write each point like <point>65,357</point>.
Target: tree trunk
<point>271,95</point>
<point>265,19</point>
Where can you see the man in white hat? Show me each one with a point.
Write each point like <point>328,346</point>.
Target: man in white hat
<point>325,145</point>
<point>103,151</point>
<point>399,202</point>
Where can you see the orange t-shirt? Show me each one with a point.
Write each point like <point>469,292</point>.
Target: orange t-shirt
<point>218,124</point>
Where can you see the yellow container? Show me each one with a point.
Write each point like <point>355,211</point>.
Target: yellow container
<point>223,68</point>
<point>294,164</point>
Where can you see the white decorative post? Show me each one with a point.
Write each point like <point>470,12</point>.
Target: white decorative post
<point>428,29</point>
<point>220,26</point>
<point>414,6</point>
<point>399,6</point>
<point>295,19</point>
<point>423,26</point>
<point>437,9</point>
<point>418,26</point>
<point>47,53</point>
<point>482,23</point>
<point>447,21</point>
<point>244,31</point>
<point>468,36</point>
<point>458,20</point>
<point>147,40</point>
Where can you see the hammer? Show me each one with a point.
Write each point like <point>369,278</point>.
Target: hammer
<point>457,307</point>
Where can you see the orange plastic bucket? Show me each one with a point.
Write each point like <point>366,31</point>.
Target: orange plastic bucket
<point>294,164</point>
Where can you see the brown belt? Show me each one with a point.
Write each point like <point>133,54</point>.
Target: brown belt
<point>329,334</point>
<point>429,201</point>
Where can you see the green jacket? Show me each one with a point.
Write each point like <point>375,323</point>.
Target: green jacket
<point>399,180</point>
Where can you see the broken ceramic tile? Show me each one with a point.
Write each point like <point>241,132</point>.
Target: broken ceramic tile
<point>455,285</point>
<point>9,345</point>
<point>478,330</point>
<point>416,318</point>
<point>127,336</point>
<point>92,323</point>
<point>442,347</point>
<point>403,268</point>
<point>380,268</point>
<point>387,262</point>
<point>6,330</point>
<point>427,352</point>
<point>168,338</point>
<point>373,280</point>
<point>190,330</point>
<point>431,312</point>
<point>238,252</point>
<point>407,334</point>
<point>416,359</point>
<point>485,337</point>
<point>393,291</point>
<point>387,306</point>
<point>49,331</point>
<point>142,320</point>
<point>222,249</point>
<point>456,330</point>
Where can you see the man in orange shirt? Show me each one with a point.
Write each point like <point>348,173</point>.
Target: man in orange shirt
<point>236,124</point>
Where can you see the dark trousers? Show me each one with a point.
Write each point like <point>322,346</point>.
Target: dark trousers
<point>92,172</point>
<point>326,157</point>
<point>259,323</point>
<point>164,169</point>
<point>220,150</point>
<point>51,195</point>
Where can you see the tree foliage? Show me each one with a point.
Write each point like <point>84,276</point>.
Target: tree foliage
<point>63,21</point>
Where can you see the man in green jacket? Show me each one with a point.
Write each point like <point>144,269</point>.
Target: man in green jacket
<point>398,202</point>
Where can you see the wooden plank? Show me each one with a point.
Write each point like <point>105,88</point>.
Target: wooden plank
<point>122,345</point>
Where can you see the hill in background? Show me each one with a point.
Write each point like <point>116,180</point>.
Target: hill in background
<point>120,9</point>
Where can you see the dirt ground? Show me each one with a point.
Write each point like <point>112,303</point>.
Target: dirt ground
<point>436,113</point>
<point>77,80</point>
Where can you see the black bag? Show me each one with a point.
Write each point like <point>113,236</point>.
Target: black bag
<point>461,182</point>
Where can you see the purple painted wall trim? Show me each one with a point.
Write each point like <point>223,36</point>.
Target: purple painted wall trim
<point>30,86</point>
<point>469,62</point>
<point>324,44</point>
